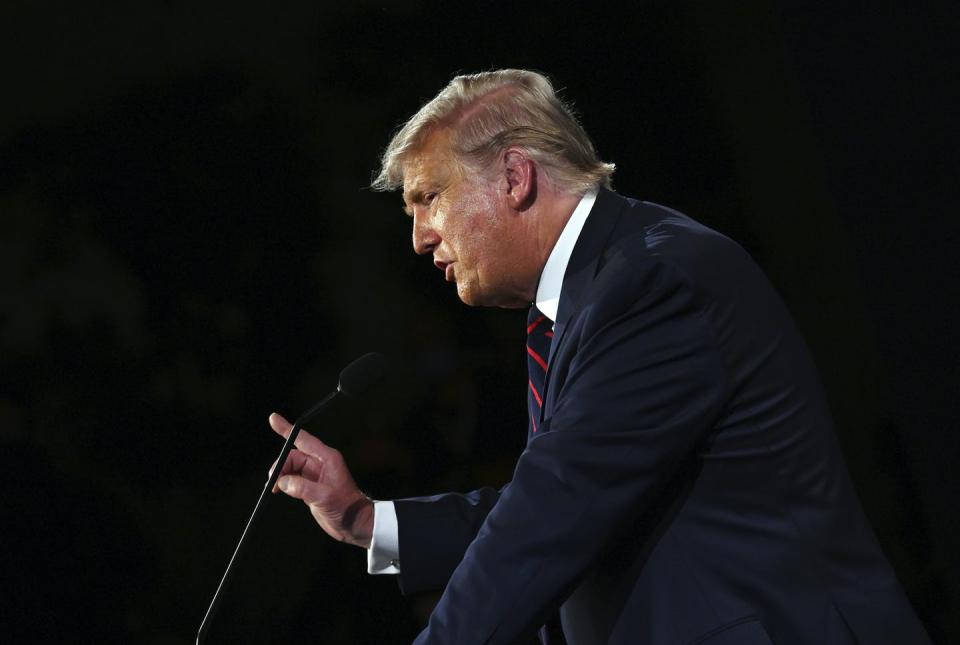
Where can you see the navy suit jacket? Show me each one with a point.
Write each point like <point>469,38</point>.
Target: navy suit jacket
<point>685,484</point>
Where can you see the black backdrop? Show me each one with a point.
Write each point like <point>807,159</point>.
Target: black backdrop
<point>187,243</point>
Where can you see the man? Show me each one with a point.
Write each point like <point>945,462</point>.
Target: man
<point>681,482</point>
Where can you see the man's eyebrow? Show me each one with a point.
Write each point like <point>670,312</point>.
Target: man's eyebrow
<point>412,197</point>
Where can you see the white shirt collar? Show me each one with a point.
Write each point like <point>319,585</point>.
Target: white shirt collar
<point>551,280</point>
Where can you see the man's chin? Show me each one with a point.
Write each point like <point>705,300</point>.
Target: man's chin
<point>469,296</point>
<point>475,298</point>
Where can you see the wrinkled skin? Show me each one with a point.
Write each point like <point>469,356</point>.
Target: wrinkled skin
<point>316,473</point>
<point>481,229</point>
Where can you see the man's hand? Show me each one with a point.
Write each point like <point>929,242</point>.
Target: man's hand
<point>317,474</point>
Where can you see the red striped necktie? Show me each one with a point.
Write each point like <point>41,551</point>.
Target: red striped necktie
<point>539,337</point>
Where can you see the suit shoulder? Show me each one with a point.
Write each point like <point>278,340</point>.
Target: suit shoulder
<point>650,231</point>
<point>667,233</point>
<point>657,248</point>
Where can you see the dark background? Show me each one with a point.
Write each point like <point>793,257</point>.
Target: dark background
<point>187,244</point>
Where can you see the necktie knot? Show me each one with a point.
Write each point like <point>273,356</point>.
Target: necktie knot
<point>535,318</point>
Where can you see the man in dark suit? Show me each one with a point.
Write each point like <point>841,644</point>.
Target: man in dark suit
<point>681,482</point>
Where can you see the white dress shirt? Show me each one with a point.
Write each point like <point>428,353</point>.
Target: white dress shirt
<point>384,553</point>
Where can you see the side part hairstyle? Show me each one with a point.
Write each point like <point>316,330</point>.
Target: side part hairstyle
<point>492,111</point>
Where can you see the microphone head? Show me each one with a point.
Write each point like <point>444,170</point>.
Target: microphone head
<point>363,373</point>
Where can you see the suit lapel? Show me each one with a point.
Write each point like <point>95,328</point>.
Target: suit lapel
<point>583,265</point>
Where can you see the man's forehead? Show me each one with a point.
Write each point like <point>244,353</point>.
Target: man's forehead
<point>432,152</point>
<point>423,169</point>
<point>413,173</point>
<point>416,178</point>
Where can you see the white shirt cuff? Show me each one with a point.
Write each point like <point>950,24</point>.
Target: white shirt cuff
<point>384,553</point>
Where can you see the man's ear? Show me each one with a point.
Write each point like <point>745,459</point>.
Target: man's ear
<point>521,176</point>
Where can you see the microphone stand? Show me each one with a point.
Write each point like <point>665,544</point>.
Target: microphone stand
<point>287,447</point>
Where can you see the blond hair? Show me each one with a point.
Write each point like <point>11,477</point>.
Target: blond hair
<point>492,111</point>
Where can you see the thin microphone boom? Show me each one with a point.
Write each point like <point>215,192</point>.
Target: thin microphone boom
<point>354,379</point>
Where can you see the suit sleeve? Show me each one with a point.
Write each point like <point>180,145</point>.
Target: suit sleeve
<point>434,532</point>
<point>645,385</point>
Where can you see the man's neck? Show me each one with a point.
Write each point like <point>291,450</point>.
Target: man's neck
<point>552,274</point>
<point>556,214</point>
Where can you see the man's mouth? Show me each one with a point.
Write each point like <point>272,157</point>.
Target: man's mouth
<point>446,267</point>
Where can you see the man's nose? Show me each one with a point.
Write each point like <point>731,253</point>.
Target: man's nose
<point>425,237</point>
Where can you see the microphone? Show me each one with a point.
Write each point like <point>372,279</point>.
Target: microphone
<point>362,374</point>
<point>355,378</point>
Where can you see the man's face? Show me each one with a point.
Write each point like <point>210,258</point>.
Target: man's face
<point>464,220</point>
